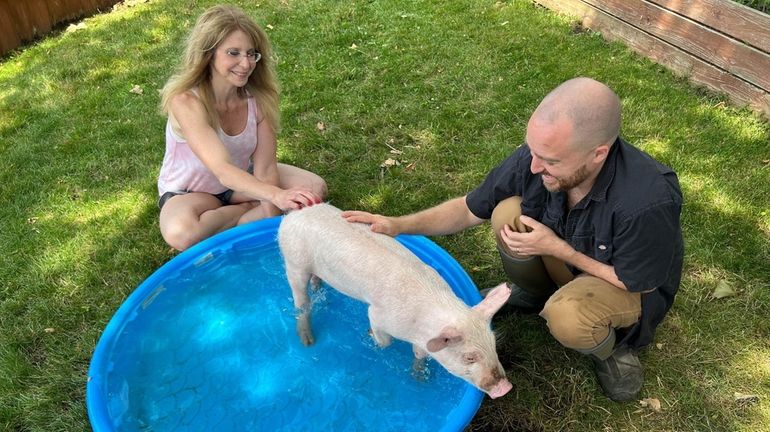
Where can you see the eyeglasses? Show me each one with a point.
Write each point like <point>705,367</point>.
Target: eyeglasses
<point>253,55</point>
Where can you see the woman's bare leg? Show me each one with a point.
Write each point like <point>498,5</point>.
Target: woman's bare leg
<point>187,219</point>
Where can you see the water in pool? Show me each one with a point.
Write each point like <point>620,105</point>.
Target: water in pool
<point>216,350</point>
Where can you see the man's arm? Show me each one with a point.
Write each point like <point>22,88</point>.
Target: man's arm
<point>446,218</point>
<point>542,241</point>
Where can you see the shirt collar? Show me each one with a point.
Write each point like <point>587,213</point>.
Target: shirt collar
<point>606,174</point>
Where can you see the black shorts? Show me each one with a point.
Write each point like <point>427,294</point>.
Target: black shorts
<point>223,197</point>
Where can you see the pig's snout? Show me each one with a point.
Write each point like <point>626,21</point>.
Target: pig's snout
<point>496,385</point>
<point>500,389</point>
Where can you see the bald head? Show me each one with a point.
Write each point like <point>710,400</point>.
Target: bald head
<point>590,107</point>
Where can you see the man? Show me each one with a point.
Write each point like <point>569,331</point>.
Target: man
<point>587,227</point>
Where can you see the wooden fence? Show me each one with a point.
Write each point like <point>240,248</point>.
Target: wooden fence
<point>22,21</point>
<point>720,44</point>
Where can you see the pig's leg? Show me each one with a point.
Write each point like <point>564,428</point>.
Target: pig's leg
<point>298,282</point>
<point>381,338</point>
<point>420,364</point>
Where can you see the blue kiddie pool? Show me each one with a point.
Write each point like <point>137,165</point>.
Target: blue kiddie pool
<point>208,343</point>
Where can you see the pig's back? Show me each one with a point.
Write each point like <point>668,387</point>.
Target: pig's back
<point>349,256</point>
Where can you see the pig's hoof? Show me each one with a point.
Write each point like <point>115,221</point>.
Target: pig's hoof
<point>307,339</point>
<point>420,370</point>
<point>315,282</point>
<point>421,374</point>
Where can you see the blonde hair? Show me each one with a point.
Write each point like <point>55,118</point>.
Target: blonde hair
<point>212,27</point>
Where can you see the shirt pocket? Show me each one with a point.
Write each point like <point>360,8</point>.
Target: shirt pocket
<point>583,243</point>
<point>602,250</point>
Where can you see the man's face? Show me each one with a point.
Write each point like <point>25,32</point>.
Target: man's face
<point>560,166</point>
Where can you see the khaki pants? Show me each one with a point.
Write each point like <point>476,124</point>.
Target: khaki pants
<point>583,310</point>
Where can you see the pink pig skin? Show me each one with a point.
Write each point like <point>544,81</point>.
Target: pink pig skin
<point>407,299</point>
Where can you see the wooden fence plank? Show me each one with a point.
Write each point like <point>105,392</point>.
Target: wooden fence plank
<point>23,20</point>
<point>733,56</point>
<point>741,22</point>
<point>9,39</point>
<point>659,51</point>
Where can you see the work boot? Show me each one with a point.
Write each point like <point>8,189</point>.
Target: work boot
<point>520,300</point>
<point>620,375</point>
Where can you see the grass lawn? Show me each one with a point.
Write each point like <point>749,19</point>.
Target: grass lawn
<point>449,84</point>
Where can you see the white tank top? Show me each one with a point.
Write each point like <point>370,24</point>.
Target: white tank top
<point>182,171</point>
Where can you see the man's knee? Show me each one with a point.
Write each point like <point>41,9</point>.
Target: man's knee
<point>568,323</point>
<point>506,212</point>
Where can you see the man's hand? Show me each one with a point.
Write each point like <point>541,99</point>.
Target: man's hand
<point>379,223</point>
<point>539,240</point>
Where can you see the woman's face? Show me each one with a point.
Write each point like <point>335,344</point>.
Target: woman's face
<point>235,59</point>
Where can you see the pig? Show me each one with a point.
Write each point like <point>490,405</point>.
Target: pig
<point>406,298</point>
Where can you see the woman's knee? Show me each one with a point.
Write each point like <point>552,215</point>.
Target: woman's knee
<point>320,188</point>
<point>180,236</point>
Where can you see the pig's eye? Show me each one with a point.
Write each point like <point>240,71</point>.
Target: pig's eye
<point>471,357</point>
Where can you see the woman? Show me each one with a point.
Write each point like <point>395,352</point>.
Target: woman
<point>220,167</point>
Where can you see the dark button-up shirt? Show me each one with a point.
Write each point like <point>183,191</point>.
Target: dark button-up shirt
<point>629,220</point>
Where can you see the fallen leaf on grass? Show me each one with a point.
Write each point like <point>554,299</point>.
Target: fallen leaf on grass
<point>745,399</point>
<point>136,90</point>
<point>75,27</point>
<point>410,167</point>
<point>389,163</point>
<point>659,345</point>
<point>49,330</point>
<point>651,403</point>
<point>723,290</point>
<point>320,126</point>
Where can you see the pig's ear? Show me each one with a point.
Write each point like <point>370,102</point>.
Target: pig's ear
<point>493,301</point>
<point>449,335</point>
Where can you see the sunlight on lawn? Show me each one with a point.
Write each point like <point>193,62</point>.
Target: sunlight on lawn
<point>71,254</point>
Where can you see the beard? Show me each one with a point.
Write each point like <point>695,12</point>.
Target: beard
<point>563,184</point>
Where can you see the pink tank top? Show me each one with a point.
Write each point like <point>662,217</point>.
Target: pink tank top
<point>182,171</point>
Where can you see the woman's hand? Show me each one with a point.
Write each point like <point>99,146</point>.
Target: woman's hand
<point>295,198</point>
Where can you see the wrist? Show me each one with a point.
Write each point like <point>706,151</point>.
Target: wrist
<point>566,252</point>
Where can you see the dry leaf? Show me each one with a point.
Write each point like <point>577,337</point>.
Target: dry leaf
<point>320,126</point>
<point>410,167</point>
<point>269,26</point>
<point>723,290</point>
<point>659,345</point>
<point>389,163</point>
<point>75,27</point>
<point>354,46</point>
<point>49,330</point>
<point>745,399</point>
<point>651,403</point>
<point>398,152</point>
<point>136,90</point>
